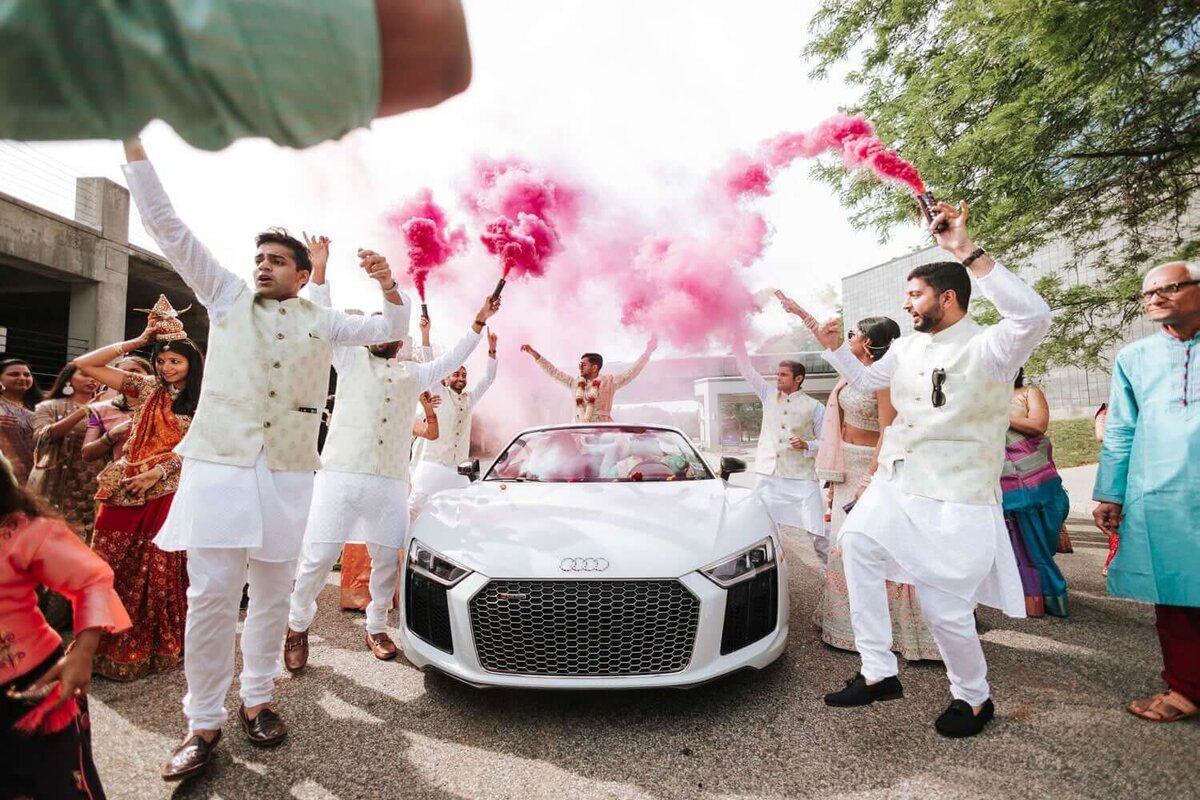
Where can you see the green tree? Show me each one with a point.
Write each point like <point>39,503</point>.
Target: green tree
<point>1075,119</point>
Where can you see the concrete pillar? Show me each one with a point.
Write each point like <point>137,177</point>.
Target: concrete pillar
<point>98,307</point>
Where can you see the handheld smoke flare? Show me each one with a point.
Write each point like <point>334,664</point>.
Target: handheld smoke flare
<point>430,244</point>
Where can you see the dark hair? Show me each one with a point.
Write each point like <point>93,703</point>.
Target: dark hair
<point>281,236</point>
<point>185,402</point>
<point>596,359</point>
<point>33,395</point>
<point>1019,381</point>
<point>945,276</point>
<point>61,381</point>
<point>14,499</point>
<point>796,367</point>
<point>881,332</point>
<point>121,401</point>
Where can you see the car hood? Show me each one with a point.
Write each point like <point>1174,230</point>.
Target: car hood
<point>645,530</point>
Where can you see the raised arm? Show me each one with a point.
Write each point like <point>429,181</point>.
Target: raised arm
<point>429,373</point>
<point>216,287</point>
<point>392,326</point>
<point>489,376</point>
<point>318,288</point>
<point>626,377</point>
<point>758,383</point>
<point>556,374</point>
<point>95,363</point>
<point>1026,317</point>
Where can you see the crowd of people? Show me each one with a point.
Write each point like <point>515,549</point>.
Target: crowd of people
<point>142,494</point>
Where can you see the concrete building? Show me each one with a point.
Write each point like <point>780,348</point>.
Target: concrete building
<point>1070,391</point>
<point>68,285</point>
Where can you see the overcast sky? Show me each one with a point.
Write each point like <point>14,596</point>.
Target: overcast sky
<point>638,101</point>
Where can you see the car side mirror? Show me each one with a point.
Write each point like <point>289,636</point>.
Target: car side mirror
<point>471,469</point>
<point>730,465</point>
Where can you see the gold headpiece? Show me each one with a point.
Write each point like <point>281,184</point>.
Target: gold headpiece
<point>166,322</point>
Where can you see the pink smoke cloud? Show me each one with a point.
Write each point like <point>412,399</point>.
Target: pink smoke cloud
<point>422,222</point>
<point>853,138</point>
<point>524,211</point>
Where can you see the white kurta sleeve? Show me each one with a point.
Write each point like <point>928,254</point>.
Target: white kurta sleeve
<point>1008,344</point>
<point>392,326</point>
<point>758,384</point>
<point>865,379</point>
<point>489,377</point>
<point>216,287</point>
<point>320,294</point>
<point>818,422</point>
<point>430,372</point>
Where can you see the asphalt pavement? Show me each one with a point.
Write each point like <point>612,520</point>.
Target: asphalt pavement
<point>362,728</point>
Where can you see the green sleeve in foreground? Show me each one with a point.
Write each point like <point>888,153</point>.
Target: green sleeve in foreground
<point>298,72</point>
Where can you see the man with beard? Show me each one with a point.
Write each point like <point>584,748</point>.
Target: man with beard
<point>361,491</point>
<point>437,463</point>
<point>594,392</point>
<point>248,458</point>
<point>931,517</point>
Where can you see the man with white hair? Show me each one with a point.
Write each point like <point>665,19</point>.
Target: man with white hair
<point>1146,485</point>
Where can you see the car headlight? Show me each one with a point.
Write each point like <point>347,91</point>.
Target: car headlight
<point>434,565</point>
<point>742,566</point>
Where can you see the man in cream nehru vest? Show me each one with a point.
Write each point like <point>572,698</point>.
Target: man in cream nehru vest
<point>361,492</point>
<point>248,458</point>
<point>437,460</point>
<point>787,449</point>
<point>931,516</point>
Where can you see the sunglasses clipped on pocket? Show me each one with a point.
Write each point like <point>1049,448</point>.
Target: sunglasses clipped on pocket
<point>939,380</point>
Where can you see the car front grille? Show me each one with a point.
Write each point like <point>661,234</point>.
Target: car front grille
<point>751,611</point>
<point>427,611</point>
<point>584,627</point>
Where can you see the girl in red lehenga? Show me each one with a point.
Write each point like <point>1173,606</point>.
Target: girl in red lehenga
<point>135,496</point>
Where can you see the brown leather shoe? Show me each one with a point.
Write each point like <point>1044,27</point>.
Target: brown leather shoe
<point>382,646</point>
<point>295,650</point>
<point>265,730</point>
<point>190,758</point>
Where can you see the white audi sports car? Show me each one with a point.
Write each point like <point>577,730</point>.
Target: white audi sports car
<point>595,557</point>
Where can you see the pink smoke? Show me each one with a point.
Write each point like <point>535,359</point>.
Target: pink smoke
<point>524,212</point>
<point>853,138</point>
<point>430,244</point>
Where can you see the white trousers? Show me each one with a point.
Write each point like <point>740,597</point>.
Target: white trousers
<point>950,618</point>
<point>316,562</point>
<point>216,577</point>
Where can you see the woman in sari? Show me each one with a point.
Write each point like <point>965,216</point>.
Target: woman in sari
<point>1035,503</point>
<point>60,475</point>
<point>19,394</point>
<point>135,495</point>
<point>110,416</point>
<point>849,445</point>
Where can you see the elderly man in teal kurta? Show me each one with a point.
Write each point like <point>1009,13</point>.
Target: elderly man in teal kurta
<point>1149,480</point>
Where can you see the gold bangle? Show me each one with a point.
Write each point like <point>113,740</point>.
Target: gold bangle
<point>120,350</point>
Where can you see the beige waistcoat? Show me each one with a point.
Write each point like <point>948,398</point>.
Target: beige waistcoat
<point>266,377</point>
<point>371,431</point>
<point>785,416</point>
<point>453,445</point>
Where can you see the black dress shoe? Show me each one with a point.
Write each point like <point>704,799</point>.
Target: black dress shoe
<point>265,730</point>
<point>190,758</point>
<point>859,693</point>
<point>960,719</point>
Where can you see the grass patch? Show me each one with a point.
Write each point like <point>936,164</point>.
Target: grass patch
<point>1074,442</point>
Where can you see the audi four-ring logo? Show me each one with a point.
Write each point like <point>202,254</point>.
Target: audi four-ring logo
<point>583,564</point>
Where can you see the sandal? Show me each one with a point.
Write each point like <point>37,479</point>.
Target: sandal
<point>1167,706</point>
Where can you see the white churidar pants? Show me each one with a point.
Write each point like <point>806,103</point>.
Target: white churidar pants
<point>316,562</point>
<point>216,577</point>
<point>950,618</point>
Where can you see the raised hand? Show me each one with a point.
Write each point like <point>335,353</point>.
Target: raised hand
<point>528,348</point>
<point>318,251</point>
<point>490,306</point>
<point>492,339</point>
<point>954,239</point>
<point>430,402</point>
<point>377,268</point>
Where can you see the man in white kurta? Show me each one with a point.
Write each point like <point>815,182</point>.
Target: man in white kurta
<point>787,450</point>
<point>361,491</point>
<point>931,517</point>
<point>248,458</point>
<point>436,462</point>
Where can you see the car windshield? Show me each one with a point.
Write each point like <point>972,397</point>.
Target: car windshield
<point>599,455</point>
